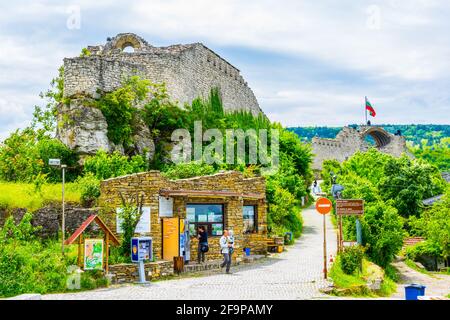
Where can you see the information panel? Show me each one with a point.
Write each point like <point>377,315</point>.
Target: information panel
<point>93,254</point>
<point>165,207</point>
<point>143,225</point>
<point>350,207</point>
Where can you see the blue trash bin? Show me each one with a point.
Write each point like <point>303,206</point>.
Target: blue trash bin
<point>413,290</point>
<point>247,251</point>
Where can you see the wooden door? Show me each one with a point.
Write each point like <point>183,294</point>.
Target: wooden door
<point>170,238</point>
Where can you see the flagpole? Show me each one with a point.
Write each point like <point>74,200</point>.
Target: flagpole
<point>365,108</point>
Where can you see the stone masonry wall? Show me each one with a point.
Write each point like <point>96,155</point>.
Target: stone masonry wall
<point>128,272</point>
<point>189,71</point>
<point>150,183</point>
<point>49,218</point>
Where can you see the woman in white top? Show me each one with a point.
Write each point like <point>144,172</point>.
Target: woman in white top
<point>225,247</point>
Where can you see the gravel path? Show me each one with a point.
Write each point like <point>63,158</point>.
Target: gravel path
<point>436,284</point>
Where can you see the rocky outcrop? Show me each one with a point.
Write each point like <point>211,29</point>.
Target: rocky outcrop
<point>83,129</point>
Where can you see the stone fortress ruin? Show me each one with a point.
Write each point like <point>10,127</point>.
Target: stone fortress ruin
<point>350,140</point>
<point>189,71</point>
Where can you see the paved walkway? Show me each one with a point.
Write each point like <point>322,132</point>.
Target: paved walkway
<point>294,274</point>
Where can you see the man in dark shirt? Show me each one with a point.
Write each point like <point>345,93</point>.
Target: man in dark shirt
<point>202,243</point>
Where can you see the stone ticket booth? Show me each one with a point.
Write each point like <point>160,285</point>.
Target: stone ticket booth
<point>226,200</point>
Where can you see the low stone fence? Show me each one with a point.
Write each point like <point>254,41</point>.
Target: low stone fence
<point>128,272</point>
<point>49,218</point>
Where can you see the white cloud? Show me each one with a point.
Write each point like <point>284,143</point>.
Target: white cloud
<point>402,63</point>
<point>405,46</point>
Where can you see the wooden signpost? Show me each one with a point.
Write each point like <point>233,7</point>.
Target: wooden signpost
<point>348,207</point>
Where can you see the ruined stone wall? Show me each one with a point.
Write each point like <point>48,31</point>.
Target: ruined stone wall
<point>189,71</point>
<point>150,183</point>
<point>349,140</point>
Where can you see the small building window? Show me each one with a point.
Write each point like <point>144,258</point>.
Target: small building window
<point>208,215</point>
<point>249,217</point>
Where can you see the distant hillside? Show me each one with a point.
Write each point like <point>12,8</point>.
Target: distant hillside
<point>414,132</point>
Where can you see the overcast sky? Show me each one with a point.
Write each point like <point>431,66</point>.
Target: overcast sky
<point>308,62</point>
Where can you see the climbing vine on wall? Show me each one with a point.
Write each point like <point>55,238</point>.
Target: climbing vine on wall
<point>119,109</point>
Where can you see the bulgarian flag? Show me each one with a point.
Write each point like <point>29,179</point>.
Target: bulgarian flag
<point>370,108</point>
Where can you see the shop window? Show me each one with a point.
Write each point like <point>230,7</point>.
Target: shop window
<point>208,215</point>
<point>249,217</point>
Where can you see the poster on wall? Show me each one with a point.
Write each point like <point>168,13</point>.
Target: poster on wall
<point>93,254</point>
<point>143,225</point>
<point>165,207</point>
<point>217,229</point>
<point>190,213</point>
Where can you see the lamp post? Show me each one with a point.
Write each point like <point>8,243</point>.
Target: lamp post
<point>57,163</point>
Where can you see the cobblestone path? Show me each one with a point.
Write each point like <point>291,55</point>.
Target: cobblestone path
<point>293,274</point>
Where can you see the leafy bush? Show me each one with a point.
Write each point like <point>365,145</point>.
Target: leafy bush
<point>425,248</point>
<point>53,148</point>
<point>24,155</point>
<point>437,226</point>
<point>28,265</point>
<point>119,109</point>
<point>103,165</point>
<point>189,170</point>
<point>89,187</point>
<point>408,182</point>
<point>351,259</point>
<point>130,213</point>
<point>23,231</point>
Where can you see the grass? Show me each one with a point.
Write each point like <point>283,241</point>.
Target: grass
<point>356,284</point>
<point>23,195</point>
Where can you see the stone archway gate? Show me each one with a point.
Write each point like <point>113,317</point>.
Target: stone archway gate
<point>350,140</point>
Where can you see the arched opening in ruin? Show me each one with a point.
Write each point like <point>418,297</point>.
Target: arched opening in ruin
<point>377,137</point>
<point>128,49</point>
<point>128,43</point>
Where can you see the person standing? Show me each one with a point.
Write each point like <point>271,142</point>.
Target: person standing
<point>202,244</point>
<point>231,241</point>
<point>225,246</point>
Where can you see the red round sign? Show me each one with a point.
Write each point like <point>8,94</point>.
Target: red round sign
<point>323,205</point>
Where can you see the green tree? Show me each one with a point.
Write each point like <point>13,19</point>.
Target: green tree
<point>383,232</point>
<point>408,182</point>
<point>437,225</point>
<point>130,213</point>
<point>25,154</point>
<point>104,166</point>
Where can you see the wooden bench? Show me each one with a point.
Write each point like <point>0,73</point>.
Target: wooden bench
<point>272,246</point>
